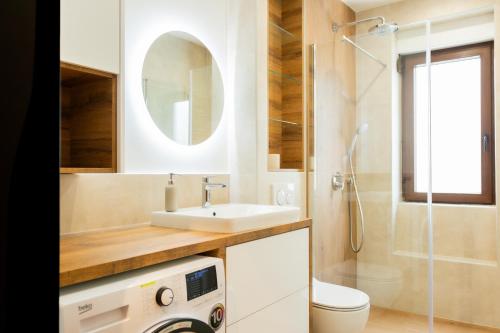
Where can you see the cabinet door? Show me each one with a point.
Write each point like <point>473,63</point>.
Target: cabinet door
<point>262,272</point>
<point>90,33</point>
<point>290,315</point>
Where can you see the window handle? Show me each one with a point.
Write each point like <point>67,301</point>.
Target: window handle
<point>485,141</point>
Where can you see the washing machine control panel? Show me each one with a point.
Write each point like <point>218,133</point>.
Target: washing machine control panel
<point>188,288</point>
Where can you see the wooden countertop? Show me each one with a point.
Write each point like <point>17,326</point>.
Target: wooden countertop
<point>93,255</point>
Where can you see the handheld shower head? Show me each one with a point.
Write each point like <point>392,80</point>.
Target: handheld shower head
<point>360,130</point>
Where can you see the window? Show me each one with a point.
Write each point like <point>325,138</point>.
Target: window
<point>461,125</point>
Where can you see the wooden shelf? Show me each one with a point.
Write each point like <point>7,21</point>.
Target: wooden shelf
<point>87,170</point>
<point>285,122</point>
<point>286,170</point>
<point>88,120</point>
<point>285,35</point>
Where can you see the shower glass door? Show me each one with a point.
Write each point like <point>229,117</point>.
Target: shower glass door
<point>367,235</point>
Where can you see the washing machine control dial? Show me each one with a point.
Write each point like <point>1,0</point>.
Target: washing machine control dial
<point>164,296</point>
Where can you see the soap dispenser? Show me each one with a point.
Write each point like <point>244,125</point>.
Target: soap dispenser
<point>171,195</point>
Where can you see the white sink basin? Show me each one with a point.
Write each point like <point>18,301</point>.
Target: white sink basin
<point>227,218</point>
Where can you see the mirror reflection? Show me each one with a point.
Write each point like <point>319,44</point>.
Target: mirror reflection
<point>182,87</point>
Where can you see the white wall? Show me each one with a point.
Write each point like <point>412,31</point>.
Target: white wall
<point>242,89</point>
<point>145,148</point>
<point>95,45</point>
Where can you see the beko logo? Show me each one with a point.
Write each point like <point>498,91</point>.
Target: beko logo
<point>84,308</point>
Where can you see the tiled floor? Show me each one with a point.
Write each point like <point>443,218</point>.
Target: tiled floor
<point>389,321</point>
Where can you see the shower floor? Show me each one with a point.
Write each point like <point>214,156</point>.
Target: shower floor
<point>390,321</point>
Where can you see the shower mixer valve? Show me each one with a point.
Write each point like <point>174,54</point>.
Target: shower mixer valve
<point>338,182</point>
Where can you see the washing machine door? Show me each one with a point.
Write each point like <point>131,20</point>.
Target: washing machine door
<point>181,325</point>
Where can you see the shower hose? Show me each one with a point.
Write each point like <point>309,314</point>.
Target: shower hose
<point>354,185</point>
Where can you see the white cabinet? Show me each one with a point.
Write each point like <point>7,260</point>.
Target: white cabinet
<point>267,284</point>
<point>90,33</point>
<point>288,315</point>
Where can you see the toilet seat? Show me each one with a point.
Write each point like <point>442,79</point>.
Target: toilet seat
<point>329,308</point>
<point>338,298</point>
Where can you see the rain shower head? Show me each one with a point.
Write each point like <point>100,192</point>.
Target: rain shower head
<point>380,29</point>
<point>383,28</point>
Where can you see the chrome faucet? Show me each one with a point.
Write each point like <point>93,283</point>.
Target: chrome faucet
<point>206,187</point>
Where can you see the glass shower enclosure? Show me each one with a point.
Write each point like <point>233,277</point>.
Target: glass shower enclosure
<point>397,128</point>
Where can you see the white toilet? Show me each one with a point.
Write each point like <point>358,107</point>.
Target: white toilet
<point>339,309</point>
<point>383,282</point>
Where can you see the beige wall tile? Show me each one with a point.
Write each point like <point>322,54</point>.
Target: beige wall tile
<point>99,201</point>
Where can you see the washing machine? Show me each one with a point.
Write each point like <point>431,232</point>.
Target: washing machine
<point>181,296</point>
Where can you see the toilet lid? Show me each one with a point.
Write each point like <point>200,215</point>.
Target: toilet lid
<point>338,297</point>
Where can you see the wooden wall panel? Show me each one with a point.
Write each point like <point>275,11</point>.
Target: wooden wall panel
<point>292,148</point>
<point>286,83</point>
<point>91,137</point>
<point>275,80</point>
<point>310,116</point>
<point>65,126</point>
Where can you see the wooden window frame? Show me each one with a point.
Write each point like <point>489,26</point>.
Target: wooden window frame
<point>408,62</point>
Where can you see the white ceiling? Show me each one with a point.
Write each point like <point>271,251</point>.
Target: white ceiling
<point>360,5</point>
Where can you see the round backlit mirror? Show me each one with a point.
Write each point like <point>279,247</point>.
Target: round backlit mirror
<point>182,88</point>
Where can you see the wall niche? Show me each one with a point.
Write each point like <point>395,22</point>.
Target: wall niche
<point>88,120</point>
<point>285,84</point>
